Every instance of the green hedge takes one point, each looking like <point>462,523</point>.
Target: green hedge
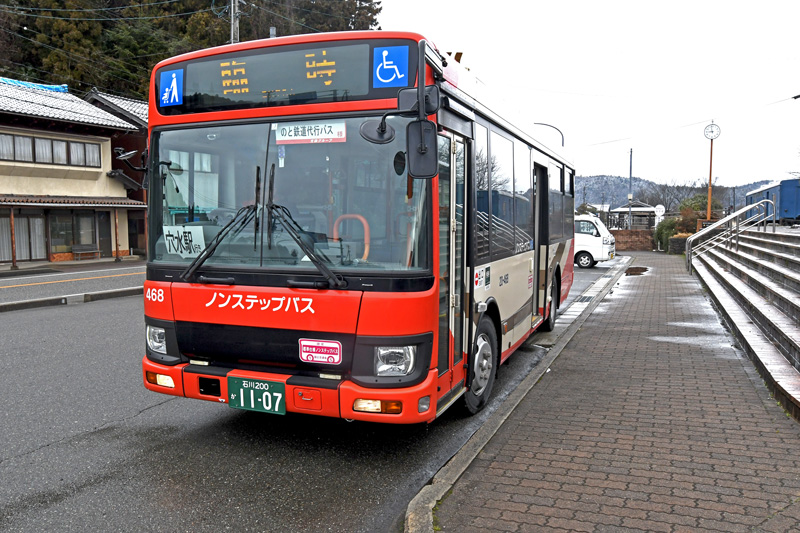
<point>664,231</point>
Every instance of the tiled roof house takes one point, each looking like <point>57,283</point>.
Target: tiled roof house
<point>57,188</point>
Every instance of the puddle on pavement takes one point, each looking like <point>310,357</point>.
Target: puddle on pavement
<point>636,271</point>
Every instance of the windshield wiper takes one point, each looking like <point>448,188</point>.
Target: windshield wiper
<point>240,220</point>
<point>270,192</point>
<point>258,193</point>
<point>295,232</point>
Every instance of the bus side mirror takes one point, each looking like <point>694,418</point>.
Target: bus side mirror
<point>422,150</point>
<point>408,100</point>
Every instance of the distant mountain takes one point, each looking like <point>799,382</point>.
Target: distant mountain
<point>613,190</point>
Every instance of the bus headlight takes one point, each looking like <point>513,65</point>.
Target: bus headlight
<point>156,339</point>
<point>394,360</point>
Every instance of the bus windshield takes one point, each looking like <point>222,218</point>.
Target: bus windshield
<point>349,201</point>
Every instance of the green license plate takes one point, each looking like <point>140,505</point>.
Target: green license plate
<point>257,395</point>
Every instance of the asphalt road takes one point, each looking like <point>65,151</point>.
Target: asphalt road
<point>85,447</point>
<point>69,280</point>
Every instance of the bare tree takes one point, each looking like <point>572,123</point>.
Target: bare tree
<point>670,195</point>
<point>482,170</point>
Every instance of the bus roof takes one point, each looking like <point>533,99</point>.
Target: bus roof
<point>289,39</point>
<point>458,82</point>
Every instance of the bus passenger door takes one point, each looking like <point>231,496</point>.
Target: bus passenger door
<point>541,220</point>
<point>452,244</point>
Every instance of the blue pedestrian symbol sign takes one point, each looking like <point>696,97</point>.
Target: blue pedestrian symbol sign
<point>171,87</point>
<point>390,65</point>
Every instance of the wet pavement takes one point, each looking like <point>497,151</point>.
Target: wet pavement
<point>650,419</point>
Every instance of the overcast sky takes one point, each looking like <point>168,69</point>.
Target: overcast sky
<point>643,75</point>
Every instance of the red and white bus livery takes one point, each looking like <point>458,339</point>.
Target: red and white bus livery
<point>329,235</point>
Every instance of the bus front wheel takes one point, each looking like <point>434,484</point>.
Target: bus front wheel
<point>482,368</point>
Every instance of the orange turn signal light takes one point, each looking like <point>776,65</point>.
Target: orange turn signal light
<point>159,379</point>
<point>392,407</point>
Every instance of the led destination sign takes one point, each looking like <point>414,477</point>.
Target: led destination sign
<point>278,76</point>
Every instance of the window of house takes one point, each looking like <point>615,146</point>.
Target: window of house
<point>44,150</point>
<point>49,151</point>
<point>77,154</point>
<point>6,147</point>
<point>23,148</point>
<point>83,227</point>
<point>92,155</point>
<point>60,232</point>
<point>60,153</point>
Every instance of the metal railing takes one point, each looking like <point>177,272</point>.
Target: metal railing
<point>727,230</point>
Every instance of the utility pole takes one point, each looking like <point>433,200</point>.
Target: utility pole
<point>584,193</point>
<point>234,21</point>
<point>630,193</point>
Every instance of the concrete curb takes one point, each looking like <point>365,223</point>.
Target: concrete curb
<point>419,514</point>
<point>114,293</point>
<point>71,299</point>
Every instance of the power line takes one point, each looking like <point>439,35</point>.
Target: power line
<point>86,61</point>
<point>48,81</point>
<point>119,61</point>
<point>317,11</point>
<point>116,19</point>
<point>286,18</point>
<point>120,8</point>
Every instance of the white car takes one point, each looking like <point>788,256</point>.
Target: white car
<point>593,241</point>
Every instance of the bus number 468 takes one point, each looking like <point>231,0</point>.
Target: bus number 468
<point>154,295</point>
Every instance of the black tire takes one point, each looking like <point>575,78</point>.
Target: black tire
<point>550,323</point>
<point>585,260</point>
<point>482,367</point>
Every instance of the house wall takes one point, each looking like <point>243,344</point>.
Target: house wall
<point>41,179</point>
<point>23,178</point>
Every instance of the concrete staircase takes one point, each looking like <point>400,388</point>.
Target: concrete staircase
<point>756,286</point>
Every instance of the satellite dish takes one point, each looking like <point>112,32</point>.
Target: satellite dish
<point>660,210</point>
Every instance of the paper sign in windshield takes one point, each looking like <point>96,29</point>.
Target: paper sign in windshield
<point>317,351</point>
<point>311,133</point>
<point>185,241</point>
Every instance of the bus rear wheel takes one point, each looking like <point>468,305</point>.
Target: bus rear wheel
<point>482,368</point>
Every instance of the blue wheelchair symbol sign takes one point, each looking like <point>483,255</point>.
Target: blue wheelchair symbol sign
<point>390,65</point>
<point>171,87</point>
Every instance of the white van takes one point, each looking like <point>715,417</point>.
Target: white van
<point>593,241</point>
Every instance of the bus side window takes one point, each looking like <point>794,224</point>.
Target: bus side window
<point>523,196</point>
<point>501,170</point>
<point>482,192</point>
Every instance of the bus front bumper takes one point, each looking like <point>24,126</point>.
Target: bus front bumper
<point>332,398</point>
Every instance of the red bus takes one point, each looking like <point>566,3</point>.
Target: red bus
<point>328,236</point>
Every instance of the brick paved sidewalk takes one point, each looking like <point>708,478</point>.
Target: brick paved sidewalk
<point>649,420</point>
